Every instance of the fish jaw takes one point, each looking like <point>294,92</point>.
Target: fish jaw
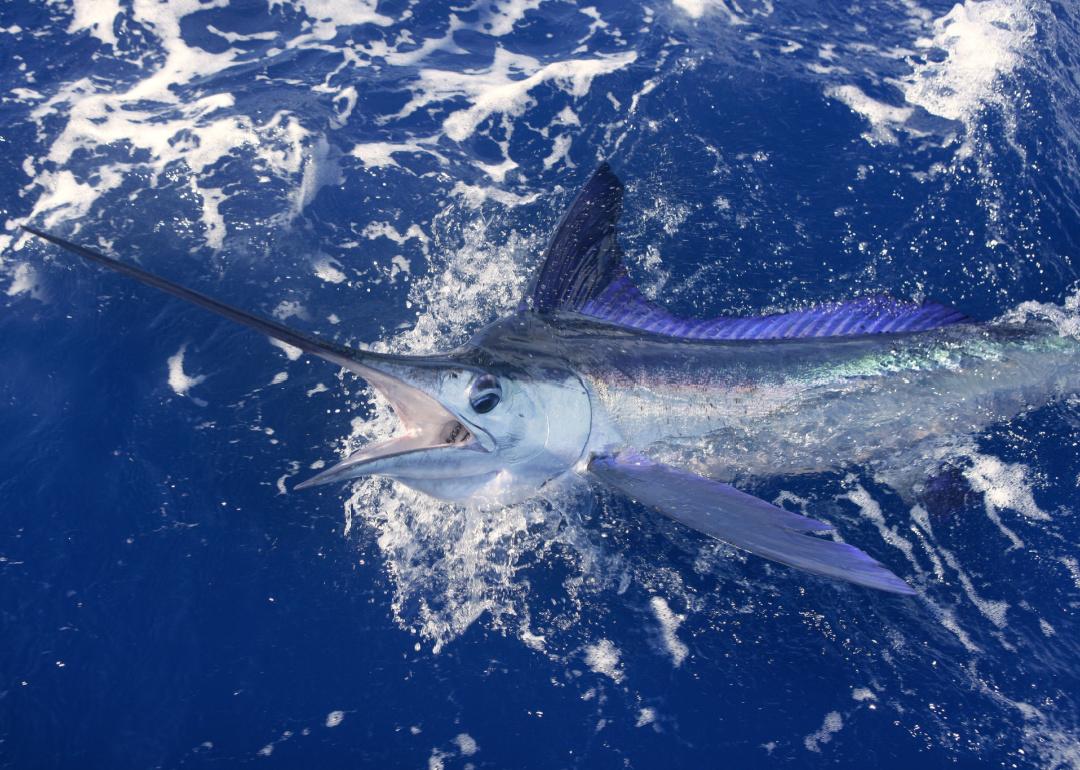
<point>433,440</point>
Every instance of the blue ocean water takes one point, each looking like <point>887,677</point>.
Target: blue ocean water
<point>387,173</point>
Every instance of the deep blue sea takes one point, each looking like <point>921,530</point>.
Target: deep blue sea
<point>387,173</point>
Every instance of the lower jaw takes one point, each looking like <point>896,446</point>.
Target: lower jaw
<point>480,489</point>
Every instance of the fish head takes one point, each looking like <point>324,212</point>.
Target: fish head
<point>471,427</point>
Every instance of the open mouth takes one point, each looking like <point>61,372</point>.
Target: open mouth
<point>434,435</point>
<point>425,425</point>
<point>458,434</point>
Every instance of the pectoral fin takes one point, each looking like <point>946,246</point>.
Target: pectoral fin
<point>744,521</point>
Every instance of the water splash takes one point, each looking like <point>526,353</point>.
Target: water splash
<point>451,564</point>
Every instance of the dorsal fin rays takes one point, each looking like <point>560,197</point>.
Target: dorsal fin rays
<point>622,304</point>
<point>582,257</point>
<point>583,272</point>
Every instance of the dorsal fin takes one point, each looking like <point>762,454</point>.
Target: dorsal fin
<point>621,304</point>
<point>583,272</point>
<point>583,255</point>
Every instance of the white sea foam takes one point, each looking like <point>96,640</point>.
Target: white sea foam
<point>736,13</point>
<point>180,381</point>
<point>289,308</point>
<point>329,270</point>
<point>154,129</point>
<point>559,149</point>
<point>947,618</point>
<point>503,88</point>
<point>449,565</point>
<point>380,154</point>
<point>24,280</point>
<point>26,95</point>
<point>669,627</point>
<point>373,230</point>
<point>437,760</point>
<point>884,119</point>
<point>1065,317</point>
<point>695,9</point>
<point>161,130</point>
<point>466,744</point>
<point>291,352</point>
<point>64,197</point>
<point>476,195</point>
<point>966,58</point>
<point>871,509</point>
<point>983,41</point>
<point>1073,566</point>
<point>213,221</point>
<point>1004,486</point>
<point>833,724</point>
<point>328,15</point>
<point>604,658</point>
<point>646,716</point>
<point>1044,736</point>
<point>399,265</point>
<point>294,466</point>
<point>495,91</point>
<point>97,16</point>
<point>234,37</point>
<point>994,611</point>
<point>925,533</point>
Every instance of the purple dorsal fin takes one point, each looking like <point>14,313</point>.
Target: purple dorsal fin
<point>583,272</point>
<point>622,304</point>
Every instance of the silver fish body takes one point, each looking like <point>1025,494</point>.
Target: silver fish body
<point>738,409</point>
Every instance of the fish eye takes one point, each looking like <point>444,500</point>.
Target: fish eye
<point>486,394</point>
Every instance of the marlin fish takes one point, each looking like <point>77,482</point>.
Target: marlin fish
<point>589,377</point>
